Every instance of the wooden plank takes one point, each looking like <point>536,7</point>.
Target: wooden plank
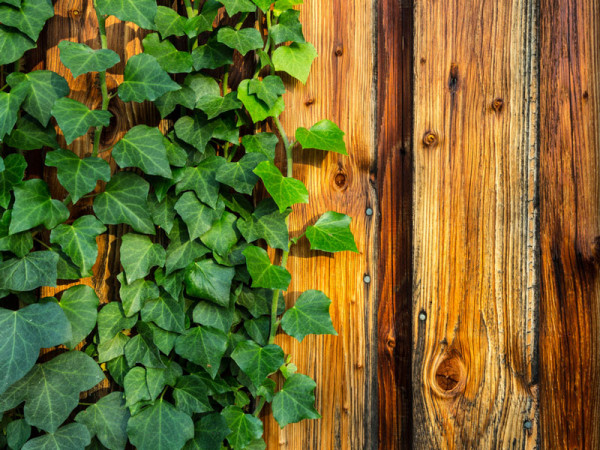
<point>340,88</point>
<point>570,223</point>
<point>475,225</point>
<point>394,189</point>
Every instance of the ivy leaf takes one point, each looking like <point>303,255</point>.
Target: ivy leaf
<point>17,433</point>
<point>209,314</point>
<point>258,362</point>
<point>242,40</point>
<point>324,135</point>
<point>235,6</point>
<point>13,45</point>
<point>134,295</point>
<point>19,244</point>
<point>191,395</point>
<point>223,235</point>
<point>244,427</point>
<point>34,270</point>
<point>118,368</point>
<point>264,143</point>
<point>78,241</point>
<point>9,107</point>
<point>266,223</point>
<point>269,90</point>
<point>203,21</point>
<point>176,427</point>
<point>171,283</point>
<point>107,419</point>
<point>112,348</point>
<point>331,233</point>
<point>80,304</point>
<point>285,191</point>
<point>13,173</point>
<point>23,333</point>
<point>73,436</point>
<point>258,301</point>
<point>212,55</point>
<point>198,217</point>
<point>140,12</point>
<point>295,60</point>
<point>78,176</point>
<point>34,206</point>
<point>164,340</point>
<point>124,201</point>
<point>80,58</point>
<point>75,119</point>
<point>176,154</point>
<point>141,349</point>
<point>29,18</point>
<point>167,103</point>
<point>169,58</point>
<point>51,390</point>
<point>214,105</point>
<point>209,280</point>
<point>136,386</point>
<point>264,5</point>
<point>139,255</point>
<point>41,89</point>
<point>169,23</point>
<point>283,5</point>
<point>166,312</point>
<point>30,135</point>
<point>196,131</point>
<point>144,79</point>
<point>112,319</point>
<point>143,147</point>
<point>309,315</point>
<point>182,249</point>
<point>263,273</point>
<point>157,379</point>
<point>295,401</point>
<point>204,346</point>
<point>239,175</point>
<point>288,28</point>
<point>202,179</point>
<point>258,110</point>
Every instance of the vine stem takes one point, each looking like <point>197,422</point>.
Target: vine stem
<point>189,9</point>
<point>102,77</point>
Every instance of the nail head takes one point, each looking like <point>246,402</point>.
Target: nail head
<point>422,316</point>
<point>369,212</point>
<point>367,279</point>
<point>528,425</point>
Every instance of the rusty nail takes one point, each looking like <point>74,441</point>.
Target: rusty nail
<point>429,139</point>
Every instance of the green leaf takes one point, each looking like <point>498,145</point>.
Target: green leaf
<point>167,103</point>
<point>30,135</point>
<point>210,431</point>
<point>13,173</point>
<point>285,191</point>
<point>112,319</point>
<point>80,304</point>
<point>13,45</point>
<point>202,179</point>
<point>176,154</point>
<point>204,346</point>
<point>258,301</point>
<point>209,314</point>
<point>136,386</point>
<point>51,390</point>
<point>118,368</point>
<point>112,348</point>
<point>78,241</point>
<point>23,333</point>
<point>239,175</point>
<point>143,147</point>
<point>157,379</point>
<point>324,135</point>
<point>176,427</point>
<point>203,21</point>
<point>266,223</point>
<point>288,28</point>
<point>244,427</point>
<point>257,109</point>
<point>164,340</point>
<point>139,255</point>
<point>258,362</point>
<point>212,55</point>
<point>75,119</point>
<point>9,107</point>
<point>166,312</point>
<point>264,5</point>
<point>141,349</point>
<point>310,315</point>
<point>182,250</point>
<point>196,130</point>
<point>295,401</point>
<point>17,433</point>
<point>295,60</point>
<point>107,419</point>
<point>263,273</point>
<point>214,105</point>
<point>34,206</point>
<point>235,6</point>
<point>124,201</point>
<point>80,58</point>
<point>34,270</point>
<point>78,176</point>
<point>169,58</point>
<point>198,217</point>
<point>30,18</point>
<point>140,12</point>
<point>73,436</point>
<point>331,233</point>
<point>282,6</point>
<point>144,79</point>
<point>169,23</point>
<point>134,295</point>
<point>207,279</point>
<point>41,89</point>
<point>191,395</point>
<point>19,244</point>
<point>269,90</point>
<point>223,235</point>
<point>242,40</point>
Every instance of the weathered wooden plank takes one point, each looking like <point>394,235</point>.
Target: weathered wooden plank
<point>394,232</point>
<point>570,223</point>
<point>340,88</point>
<point>475,225</point>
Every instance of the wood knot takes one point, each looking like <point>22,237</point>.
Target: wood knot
<point>423,61</point>
<point>585,95</point>
<point>453,78</point>
<point>339,50</point>
<point>341,179</point>
<point>391,342</point>
<point>498,104</point>
<point>430,139</point>
<point>449,374</point>
<point>75,13</point>
<point>309,101</point>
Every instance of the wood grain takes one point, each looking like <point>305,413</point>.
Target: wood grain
<point>394,231</point>
<point>339,88</point>
<point>570,223</point>
<point>475,224</point>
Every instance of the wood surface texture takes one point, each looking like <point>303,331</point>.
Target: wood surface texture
<point>570,224</point>
<point>475,224</point>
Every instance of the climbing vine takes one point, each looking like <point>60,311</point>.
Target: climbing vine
<point>190,341</point>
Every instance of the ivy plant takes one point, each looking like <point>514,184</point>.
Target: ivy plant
<point>189,343</point>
